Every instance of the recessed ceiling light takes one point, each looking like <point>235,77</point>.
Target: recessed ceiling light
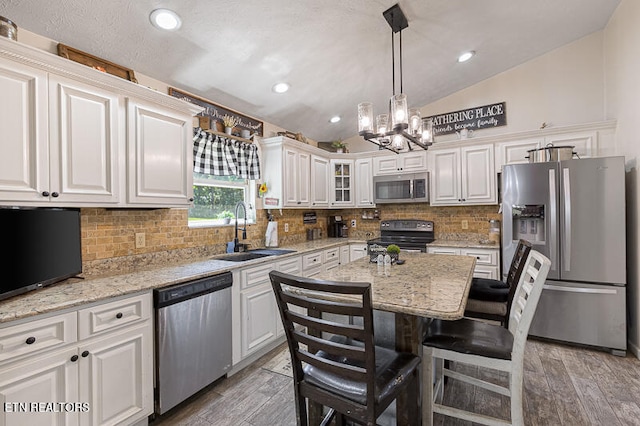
<point>466,56</point>
<point>165,19</point>
<point>335,119</point>
<point>280,87</point>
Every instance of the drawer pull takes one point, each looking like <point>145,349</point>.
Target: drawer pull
<point>74,358</point>
<point>85,354</point>
<point>119,315</point>
<point>31,340</point>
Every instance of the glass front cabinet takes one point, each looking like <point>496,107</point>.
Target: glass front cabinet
<point>342,185</point>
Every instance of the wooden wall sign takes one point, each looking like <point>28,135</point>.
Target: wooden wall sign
<point>95,62</point>
<point>216,112</point>
<point>482,117</point>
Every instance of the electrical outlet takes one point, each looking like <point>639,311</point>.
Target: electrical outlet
<point>353,223</point>
<point>140,240</point>
<point>286,227</point>
<point>465,224</point>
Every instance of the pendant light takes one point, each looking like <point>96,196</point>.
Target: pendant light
<point>401,125</point>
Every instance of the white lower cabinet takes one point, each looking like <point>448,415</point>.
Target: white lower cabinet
<point>357,251</point>
<point>344,255</point>
<point>259,318</point>
<point>487,260</point>
<point>257,326</point>
<point>115,377</point>
<point>105,379</point>
<point>258,309</point>
<point>50,378</point>
<point>312,264</point>
<point>293,266</point>
<point>331,258</point>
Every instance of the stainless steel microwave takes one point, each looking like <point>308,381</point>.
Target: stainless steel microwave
<point>402,188</point>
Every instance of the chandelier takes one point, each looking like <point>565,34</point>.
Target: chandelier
<point>400,125</point>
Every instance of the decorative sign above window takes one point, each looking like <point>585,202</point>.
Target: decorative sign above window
<point>217,112</point>
<point>493,115</point>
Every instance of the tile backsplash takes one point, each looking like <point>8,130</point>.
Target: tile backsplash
<point>108,236</point>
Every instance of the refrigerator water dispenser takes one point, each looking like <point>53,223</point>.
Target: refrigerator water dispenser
<point>528,223</point>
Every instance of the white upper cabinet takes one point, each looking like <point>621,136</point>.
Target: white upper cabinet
<point>515,152</point>
<point>364,182</point>
<point>342,179</point>
<point>160,171</point>
<point>84,143</point>
<point>400,163</point>
<point>319,193</point>
<point>297,178</point>
<point>68,139</point>
<point>585,143</point>
<point>62,140</point>
<point>464,175</point>
<point>286,169</point>
<point>24,147</point>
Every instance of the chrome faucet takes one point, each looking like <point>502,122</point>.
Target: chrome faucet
<point>236,245</point>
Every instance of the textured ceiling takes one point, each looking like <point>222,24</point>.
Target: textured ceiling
<point>334,53</point>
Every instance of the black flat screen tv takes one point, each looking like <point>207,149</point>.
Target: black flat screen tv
<point>41,247</point>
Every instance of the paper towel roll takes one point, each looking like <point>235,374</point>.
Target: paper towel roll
<point>271,236</point>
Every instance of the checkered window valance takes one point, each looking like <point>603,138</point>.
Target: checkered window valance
<point>220,156</point>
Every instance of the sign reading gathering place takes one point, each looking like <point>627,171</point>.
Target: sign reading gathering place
<point>482,117</point>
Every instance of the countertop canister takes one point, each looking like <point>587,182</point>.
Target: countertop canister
<point>494,231</point>
<point>8,28</point>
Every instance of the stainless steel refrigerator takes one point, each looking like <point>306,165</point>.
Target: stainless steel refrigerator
<point>573,212</point>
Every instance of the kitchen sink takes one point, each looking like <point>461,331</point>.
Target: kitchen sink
<point>252,254</point>
<point>271,252</point>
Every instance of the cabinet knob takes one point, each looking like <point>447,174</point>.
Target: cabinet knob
<point>74,358</point>
<point>459,200</point>
<point>45,193</point>
<point>119,315</point>
<point>85,354</point>
<point>299,202</point>
<point>31,340</point>
<point>55,194</point>
<point>191,200</point>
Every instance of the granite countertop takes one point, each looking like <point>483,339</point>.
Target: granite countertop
<point>465,244</point>
<point>76,292</point>
<point>426,285</point>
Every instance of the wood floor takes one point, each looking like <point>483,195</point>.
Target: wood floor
<point>563,386</point>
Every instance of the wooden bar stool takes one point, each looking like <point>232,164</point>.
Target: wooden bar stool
<point>491,299</point>
<point>336,364</point>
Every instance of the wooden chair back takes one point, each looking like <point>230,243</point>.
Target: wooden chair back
<point>515,271</point>
<point>302,303</point>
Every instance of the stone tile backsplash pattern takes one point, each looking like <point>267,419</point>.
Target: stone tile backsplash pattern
<point>108,236</point>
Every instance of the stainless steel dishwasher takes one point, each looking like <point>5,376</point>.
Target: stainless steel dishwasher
<point>193,338</point>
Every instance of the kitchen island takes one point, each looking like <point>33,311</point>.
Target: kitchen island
<point>425,286</point>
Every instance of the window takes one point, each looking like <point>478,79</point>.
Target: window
<point>215,198</point>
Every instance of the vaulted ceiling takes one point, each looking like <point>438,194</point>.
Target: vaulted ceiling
<point>333,53</point>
